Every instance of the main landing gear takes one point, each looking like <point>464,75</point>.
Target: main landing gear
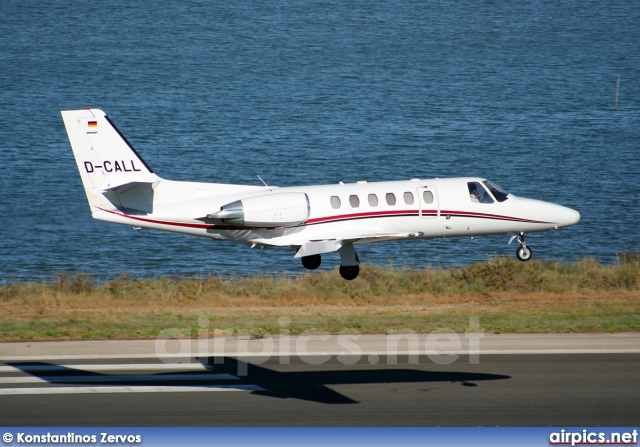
<point>349,268</point>
<point>349,272</point>
<point>311,262</point>
<point>523,253</point>
<point>349,262</point>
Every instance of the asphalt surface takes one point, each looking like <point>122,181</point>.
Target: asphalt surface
<point>47,386</point>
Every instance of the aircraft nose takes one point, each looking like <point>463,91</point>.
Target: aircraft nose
<point>567,216</point>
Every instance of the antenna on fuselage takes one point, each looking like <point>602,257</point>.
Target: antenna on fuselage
<point>263,182</point>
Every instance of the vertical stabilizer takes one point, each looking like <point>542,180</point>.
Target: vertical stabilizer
<point>107,162</point>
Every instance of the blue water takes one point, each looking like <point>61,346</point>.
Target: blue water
<point>308,92</point>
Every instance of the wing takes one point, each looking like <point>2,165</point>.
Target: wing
<point>316,247</point>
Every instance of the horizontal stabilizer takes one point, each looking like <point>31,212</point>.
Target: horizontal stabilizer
<point>126,186</point>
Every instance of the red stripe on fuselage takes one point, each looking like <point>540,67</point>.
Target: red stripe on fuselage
<point>369,215</point>
<point>489,216</point>
<point>184,224</point>
<point>336,218</point>
<point>415,213</point>
<point>160,222</point>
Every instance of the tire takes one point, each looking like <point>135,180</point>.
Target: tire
<point>349,272</point>
<point>524,254</point>
<point>311,262</point>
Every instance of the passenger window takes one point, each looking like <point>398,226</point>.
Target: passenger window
<point>335,202</point>
<point>478,194</point>
<point>391,199</point>
<point>354,201</point>
<point>373,200</point>
<point>427,196</point>
<point>408,198</point>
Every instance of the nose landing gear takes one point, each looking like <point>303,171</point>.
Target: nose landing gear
<point>523,253</point>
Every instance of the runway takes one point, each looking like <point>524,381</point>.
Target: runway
<point>574,383</point>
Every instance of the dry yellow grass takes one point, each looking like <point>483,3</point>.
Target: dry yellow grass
<point>504,294</point>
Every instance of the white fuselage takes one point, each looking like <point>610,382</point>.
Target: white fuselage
<point>182,206</point>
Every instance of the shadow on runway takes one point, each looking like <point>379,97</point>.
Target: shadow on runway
<point>312,385</point>
<point>309,385</point>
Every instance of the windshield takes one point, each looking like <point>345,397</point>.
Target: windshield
<point>478,194</point>
<point>500,194</point>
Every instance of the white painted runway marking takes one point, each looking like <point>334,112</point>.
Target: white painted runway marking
<point>113,374</point>
<point>118,378</point>
<point>126,389</point>
<point>113,367</point>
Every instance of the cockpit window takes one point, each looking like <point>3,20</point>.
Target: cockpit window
<point>500,194</point>
<point>478,194</point>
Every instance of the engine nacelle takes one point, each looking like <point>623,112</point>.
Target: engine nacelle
<point>268,210</point>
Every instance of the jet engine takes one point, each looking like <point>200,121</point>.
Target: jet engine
<point>268,210</point>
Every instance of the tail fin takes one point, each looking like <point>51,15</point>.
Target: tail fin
<point>113,173</point>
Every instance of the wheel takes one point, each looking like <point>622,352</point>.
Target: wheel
<point>523,253</point>
<point>311,262</point>
<point>349,272</point>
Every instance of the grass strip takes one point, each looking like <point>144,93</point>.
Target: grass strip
<point>506,296</point>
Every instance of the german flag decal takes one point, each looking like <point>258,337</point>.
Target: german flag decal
<point>93,124</point>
